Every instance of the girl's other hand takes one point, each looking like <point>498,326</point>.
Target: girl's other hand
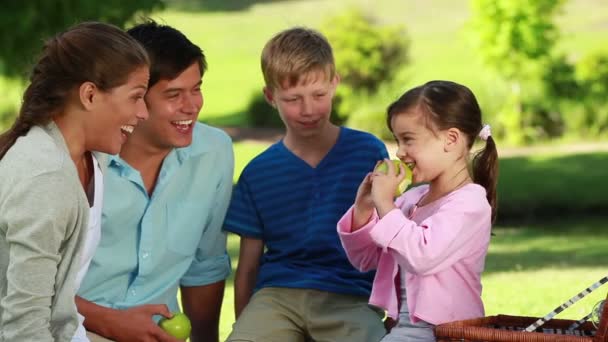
<point>384,186</point>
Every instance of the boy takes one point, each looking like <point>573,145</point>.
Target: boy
<point>166,196</point>
<point>289,199</point>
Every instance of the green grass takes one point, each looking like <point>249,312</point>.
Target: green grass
<point>550,185</point>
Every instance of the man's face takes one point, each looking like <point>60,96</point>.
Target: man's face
<point>173,106</point>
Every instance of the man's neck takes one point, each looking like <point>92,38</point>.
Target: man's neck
<point>145,158</point>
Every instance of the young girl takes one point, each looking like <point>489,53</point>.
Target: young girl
<point>430,244</point>
<point>85,94</point>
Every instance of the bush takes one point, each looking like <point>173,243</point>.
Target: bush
<point>367,55</point>
<point>261,114</point>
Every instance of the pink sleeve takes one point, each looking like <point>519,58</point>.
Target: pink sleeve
<point>460,225</point>
<point>360,249</point>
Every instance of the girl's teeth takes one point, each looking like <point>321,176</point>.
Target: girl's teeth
<point>127,129</point>
<point>411,165</point>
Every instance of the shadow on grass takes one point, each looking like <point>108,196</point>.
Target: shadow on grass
<point>558,245</point>
<point>536,188</point>
<point>215,5</point>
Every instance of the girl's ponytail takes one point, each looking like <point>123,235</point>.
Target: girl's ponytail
<point>485,171</point>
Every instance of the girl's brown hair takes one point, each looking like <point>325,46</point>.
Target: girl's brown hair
<point>451,105</point>
<point>96,52</point>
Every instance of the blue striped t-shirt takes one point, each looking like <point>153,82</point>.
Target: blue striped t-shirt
<point>294,209</point>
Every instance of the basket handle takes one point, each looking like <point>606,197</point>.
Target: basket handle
<point>601,334</point>
<point>567,304</point>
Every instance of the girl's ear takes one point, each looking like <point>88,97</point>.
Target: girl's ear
<point>453,137</point>
<point>86,93</point>
<point>269,96</point>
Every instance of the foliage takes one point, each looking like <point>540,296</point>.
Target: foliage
<point>25,24</point>
<point>366,53</point>
<point>513,33</point>
<point>514,37</point>
<point>260,113</point>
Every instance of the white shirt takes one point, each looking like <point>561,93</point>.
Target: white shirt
<point>93,236</point>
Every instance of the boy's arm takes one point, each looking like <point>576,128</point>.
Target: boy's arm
<point>202,304</point>
<point>134,324</point>
<point>251,250</point>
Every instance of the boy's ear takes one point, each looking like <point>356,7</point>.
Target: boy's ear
<point>86,94</point>
<point>269,96</point>
<point>452,138</point>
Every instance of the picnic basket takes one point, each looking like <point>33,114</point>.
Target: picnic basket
<point>504,328</point>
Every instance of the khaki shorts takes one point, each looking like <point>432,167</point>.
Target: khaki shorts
<point>301,315</point>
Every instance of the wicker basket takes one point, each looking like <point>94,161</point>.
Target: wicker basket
<point>503,328</point>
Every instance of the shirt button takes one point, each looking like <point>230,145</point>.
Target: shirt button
<point>133,292</point>
<point>145,255</point>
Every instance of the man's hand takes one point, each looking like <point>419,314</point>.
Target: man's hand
<point>130,325</point>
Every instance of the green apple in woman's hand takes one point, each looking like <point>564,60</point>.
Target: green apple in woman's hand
<point>177,326</point>
<point>383,168</point>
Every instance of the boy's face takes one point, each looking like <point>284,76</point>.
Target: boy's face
<point>173,106</point>
<point>304,108</point>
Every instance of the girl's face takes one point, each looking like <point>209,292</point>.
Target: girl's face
<point>422,149</point>
<point>117,112</point>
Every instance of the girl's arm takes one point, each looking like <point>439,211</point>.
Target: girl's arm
<point>38,214</point>
<point>460,225</point>
<point>360,249</point>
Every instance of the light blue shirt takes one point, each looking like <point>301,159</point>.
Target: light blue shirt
<point>152,244</point>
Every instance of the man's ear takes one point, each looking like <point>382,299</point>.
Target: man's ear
<point>269,96</point>
<point>452,137</point>
<point>87,93</point>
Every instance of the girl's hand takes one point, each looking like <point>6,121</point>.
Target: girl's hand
<point>384,187</point>
<point>364,206</point>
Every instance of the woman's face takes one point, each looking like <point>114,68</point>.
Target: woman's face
<point>117,112</point>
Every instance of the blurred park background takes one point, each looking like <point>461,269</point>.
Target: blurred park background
<point>538,67</point>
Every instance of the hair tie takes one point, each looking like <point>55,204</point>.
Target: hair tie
<point>485,132</point>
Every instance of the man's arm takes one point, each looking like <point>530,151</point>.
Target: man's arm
<point>133,324</point>
<point>203,304</point>
<point>246,272</point>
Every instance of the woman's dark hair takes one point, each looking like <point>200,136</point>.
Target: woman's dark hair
<point>90,51</point>
<point>447,105</point>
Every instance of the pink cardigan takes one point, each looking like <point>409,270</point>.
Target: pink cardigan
<point>442,249</point>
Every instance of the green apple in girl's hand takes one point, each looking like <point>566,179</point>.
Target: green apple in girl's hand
<point>177,326</point>
<point>383,167</point>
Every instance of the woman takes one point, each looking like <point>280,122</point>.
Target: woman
<point>85,94</point>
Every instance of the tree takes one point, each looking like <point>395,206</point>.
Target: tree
<point>25,24</point>
<point>514,37</point>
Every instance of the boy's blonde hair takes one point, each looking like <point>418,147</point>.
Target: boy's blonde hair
<point>293,53</point>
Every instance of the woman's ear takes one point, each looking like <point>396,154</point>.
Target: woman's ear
<point>86,94</point>
<point>453,138</point>
<point>269,96</point>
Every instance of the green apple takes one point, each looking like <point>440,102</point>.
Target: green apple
<point>383,167</point>
<point>177,326</point>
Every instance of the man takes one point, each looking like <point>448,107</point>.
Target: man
<point>166,196</point>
